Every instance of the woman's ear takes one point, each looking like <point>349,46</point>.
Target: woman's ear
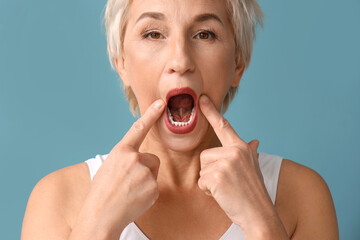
<point>239,70</point>
<point>120,67</point>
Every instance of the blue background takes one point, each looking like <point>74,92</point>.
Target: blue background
<point>60,102</point>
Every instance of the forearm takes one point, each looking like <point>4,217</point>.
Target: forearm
<point>267,231</point>
<point>267,226</point>
<point>84,230</point>
<point>92,225</point>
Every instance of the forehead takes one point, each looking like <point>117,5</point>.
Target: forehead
<point>179,10</point>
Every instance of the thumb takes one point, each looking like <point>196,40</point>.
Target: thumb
<point>254,144</point>
<point>152,162</point>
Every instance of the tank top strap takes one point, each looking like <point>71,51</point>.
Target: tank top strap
<point>95,163</point>
<point>270,168</point>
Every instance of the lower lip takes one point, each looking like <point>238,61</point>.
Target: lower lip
<point>181,129</point>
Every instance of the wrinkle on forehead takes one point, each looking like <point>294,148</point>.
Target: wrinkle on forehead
<point>179,10</point>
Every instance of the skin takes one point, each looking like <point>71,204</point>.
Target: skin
<point>182,59</point>
<point>201,181</point>
<point>178,58</point>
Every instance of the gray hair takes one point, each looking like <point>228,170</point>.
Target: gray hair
<point>244,16</point>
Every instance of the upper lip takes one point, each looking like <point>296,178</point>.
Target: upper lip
<point>178,91</point>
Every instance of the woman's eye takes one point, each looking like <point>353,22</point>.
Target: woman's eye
<point>207,35</point>
<point>153,35</point>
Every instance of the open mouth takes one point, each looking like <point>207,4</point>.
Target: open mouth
<point>181,111</point>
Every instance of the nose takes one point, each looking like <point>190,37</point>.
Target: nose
<point>180,56</point>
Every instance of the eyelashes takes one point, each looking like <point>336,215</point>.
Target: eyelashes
<point>151,33</point>
<point>155,35</point>
<point>210,34</point>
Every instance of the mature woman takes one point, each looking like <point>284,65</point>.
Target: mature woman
<point>181,171</point>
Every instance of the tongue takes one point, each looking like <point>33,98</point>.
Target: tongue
<point>180,107</point>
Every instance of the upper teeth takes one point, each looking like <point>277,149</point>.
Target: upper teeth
<point>180,123</point>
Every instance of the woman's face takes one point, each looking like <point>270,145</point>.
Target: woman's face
<point>179,44</point>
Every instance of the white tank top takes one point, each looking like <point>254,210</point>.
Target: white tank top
<point>269,166</point>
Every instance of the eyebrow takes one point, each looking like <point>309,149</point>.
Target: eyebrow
<point>208,16</point>
<point>155,15</point>
<point>199,18</point>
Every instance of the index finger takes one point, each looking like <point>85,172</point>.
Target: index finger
<point>221,126</point>
<point>135,136</point>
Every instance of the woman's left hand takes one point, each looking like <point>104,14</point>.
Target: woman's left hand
<point>231,174</point>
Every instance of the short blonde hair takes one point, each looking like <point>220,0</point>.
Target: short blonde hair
<point>244,16</point>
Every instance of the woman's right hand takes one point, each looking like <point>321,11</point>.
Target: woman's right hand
<point>125,185</point>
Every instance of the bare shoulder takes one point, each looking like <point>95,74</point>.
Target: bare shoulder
<point>54,201</point>
<point>302,191</point>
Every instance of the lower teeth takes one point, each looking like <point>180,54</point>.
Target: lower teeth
<point>181,124</point>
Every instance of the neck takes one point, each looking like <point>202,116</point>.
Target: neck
<point>178,170</point>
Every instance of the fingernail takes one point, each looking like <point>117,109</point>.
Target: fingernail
<point>158,104</point>
<point>204,99</point>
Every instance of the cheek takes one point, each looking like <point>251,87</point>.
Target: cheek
<point>143,74</point>
<point>144,57</point>
<point>219,76</point>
